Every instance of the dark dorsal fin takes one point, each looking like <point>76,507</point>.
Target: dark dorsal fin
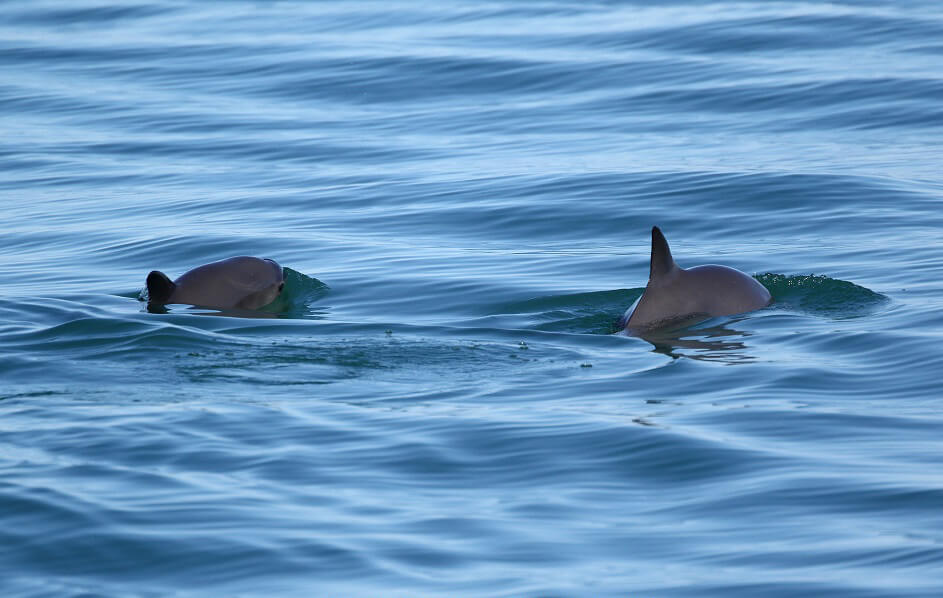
<point>662,263</point>
<point>159,287</point>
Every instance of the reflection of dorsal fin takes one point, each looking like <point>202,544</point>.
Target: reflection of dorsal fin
<point>159,287</point>
<point>662,262</point>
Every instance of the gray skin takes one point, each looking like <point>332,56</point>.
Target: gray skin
<point>236,283</point>
<point>678,296</point>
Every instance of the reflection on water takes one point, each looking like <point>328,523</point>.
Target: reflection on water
<point>717,343</point>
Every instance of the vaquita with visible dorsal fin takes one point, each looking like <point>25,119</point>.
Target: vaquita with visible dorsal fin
<point>242,282</point>
<point>676,296</point>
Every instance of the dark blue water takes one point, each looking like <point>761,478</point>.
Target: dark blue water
<point>462,196</point>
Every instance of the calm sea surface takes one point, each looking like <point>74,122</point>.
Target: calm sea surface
<point>461,194</point>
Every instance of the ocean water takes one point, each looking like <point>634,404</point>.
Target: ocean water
<point>462,195</point>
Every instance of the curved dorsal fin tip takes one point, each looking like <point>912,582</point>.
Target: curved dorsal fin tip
<point>661,261</point>
<point>159,287</point>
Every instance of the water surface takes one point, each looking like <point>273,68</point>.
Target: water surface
<point>462,197</point>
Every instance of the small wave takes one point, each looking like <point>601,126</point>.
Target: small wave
<point>821,295</point>
<point>299,293</point>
